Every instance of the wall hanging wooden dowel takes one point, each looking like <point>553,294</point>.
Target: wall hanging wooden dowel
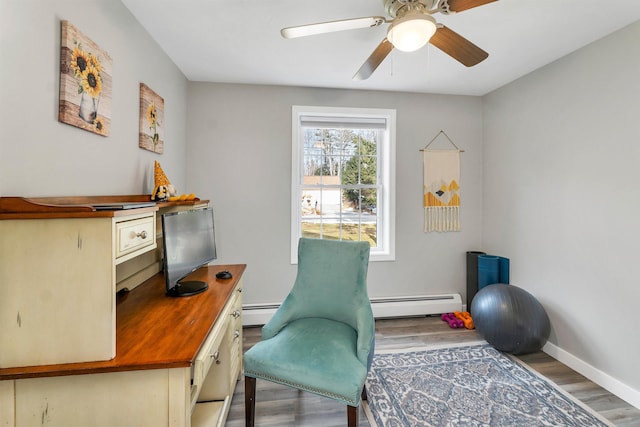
<point>441,196</point>
<point>436,137</point>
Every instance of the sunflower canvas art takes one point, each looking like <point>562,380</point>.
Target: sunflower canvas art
<point>85,82</point>
<point>151,134</point>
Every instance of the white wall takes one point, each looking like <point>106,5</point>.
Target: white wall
<point>239,156</point>
<point>561,199</point>
<point>40,156</point>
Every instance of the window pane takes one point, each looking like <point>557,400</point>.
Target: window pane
<point>370,231</point>
<point>331,168</point>
<point>351,171</point>
<point>351,231</point>
<point>332,231</point>
<point>361,168</point>
<point>309,202</point>
<point>311,167</point>
<point>349,149</point>
<point>312,229</point>
<point>351,200</point>
<point>368,143</point>
<point>369,201</point>
<point>325,201</point>
<point>368,170</point>
<point>369,215</point>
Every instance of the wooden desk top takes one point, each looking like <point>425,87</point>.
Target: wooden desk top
<point>154,331</point>
<point>79,206</point>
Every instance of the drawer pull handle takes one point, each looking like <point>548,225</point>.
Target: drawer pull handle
<point>236,334</point>
<point>142,234</point>
<point>235,314</point>
<point>215,356</point>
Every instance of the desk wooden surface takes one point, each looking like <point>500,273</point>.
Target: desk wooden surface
<point>80,206</point>
<point>154,331</point>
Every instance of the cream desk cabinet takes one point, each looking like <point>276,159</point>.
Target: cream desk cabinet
<point>58,278</point>
<point>177,364</point>
<point>89,337</point>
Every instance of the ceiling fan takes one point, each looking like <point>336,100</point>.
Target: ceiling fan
<point>412,26</point>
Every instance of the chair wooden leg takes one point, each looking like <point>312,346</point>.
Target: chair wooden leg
<point>352,416</point>
<point>364,393</point>
<point>249,401</point>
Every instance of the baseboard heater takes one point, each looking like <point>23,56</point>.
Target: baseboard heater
<point>420,305</point>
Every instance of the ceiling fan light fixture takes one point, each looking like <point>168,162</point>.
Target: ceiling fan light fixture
<point>411,31</point>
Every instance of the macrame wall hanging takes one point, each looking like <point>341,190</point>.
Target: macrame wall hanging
<point>441,187</point>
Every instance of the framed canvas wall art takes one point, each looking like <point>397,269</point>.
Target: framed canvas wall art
<point>151,134</point>
<point>85,82</point>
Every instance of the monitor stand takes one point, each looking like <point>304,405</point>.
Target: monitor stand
<point>185,289</point>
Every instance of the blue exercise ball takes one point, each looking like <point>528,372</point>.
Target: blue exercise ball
<point>510,319</point>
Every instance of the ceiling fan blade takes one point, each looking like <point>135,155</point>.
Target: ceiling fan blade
<point>457,47</point>
<point>374,60</point>
<point>460,5</point>
<point>331,26</point>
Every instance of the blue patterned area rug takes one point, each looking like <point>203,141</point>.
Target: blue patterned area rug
<point>469,385</point>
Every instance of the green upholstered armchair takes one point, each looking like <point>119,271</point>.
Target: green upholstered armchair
<point>321,339</point>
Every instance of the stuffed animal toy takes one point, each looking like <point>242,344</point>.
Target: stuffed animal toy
<point>162,189</point>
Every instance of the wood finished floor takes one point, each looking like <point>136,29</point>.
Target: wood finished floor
<point>280,406</point>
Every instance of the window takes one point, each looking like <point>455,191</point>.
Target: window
<point>343,177</point>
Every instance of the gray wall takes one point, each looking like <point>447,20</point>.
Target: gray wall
<point>239,156</point>
<point>561,198</point>
<point>40,156</point>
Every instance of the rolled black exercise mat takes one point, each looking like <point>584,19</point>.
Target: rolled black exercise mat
<point>472,275</point>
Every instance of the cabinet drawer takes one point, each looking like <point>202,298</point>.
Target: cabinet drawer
<point>236,357</point>
<point>134,234</point>
<point>235,332</point>
<point>210,354</point>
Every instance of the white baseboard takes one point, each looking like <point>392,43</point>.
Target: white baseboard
<point>604,380</point>
<point>257,314</point>
<point>418,305</point>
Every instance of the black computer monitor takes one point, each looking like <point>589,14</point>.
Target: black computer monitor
<point>189,243</point>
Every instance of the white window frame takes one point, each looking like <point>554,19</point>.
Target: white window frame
<point>385,250</point>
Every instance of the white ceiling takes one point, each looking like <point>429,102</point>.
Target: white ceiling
<point>238,41</point>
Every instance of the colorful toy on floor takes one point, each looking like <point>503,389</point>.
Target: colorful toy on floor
<point>452,320</point>
<point>466,318</point>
